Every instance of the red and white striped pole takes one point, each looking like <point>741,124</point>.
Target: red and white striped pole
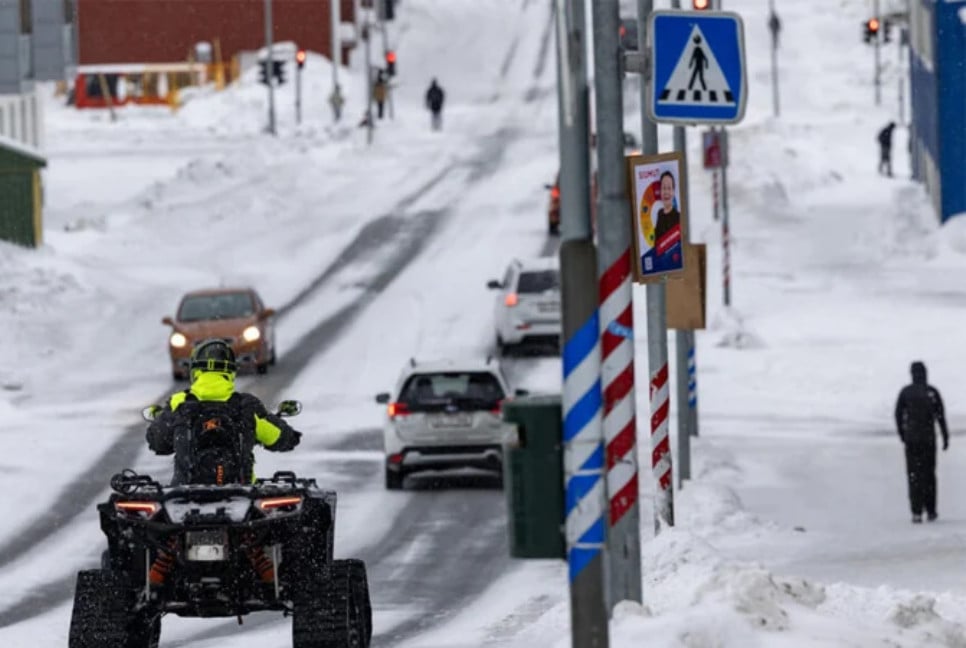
<point>620,427</point>
<point>661,447</point>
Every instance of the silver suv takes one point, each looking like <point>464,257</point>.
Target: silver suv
<point>444,414</point>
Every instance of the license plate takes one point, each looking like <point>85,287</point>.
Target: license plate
<point>451,421</point>
<point>206,546</point>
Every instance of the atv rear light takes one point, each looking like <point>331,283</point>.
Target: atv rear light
<point>511,300</point>
<point>398,409</point>
<point>276,503</point>
<point>147,509</point>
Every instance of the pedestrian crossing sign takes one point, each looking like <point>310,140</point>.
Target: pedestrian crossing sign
<point>697,67</point>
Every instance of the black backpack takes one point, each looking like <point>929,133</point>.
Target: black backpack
<point>209,443</point>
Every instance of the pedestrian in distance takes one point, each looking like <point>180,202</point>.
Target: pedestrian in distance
<point>434,101</point>
<point>885,149</point>
<point>380,91</point>
<point>918,410</point>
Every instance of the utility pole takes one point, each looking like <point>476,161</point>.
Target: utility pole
<point>586,526</point>
<point>335,18</point>
<point>271,59</point>
<point>775,26</point>
<point>367,36</point>
<point>657,360</point>
<point>878,64</point>
<point>616,313</point>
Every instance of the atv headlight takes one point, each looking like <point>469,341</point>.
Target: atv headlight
<point>251,334</point>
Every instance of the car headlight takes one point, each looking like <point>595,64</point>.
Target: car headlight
<point>251,334</point>
<point>178,341</point>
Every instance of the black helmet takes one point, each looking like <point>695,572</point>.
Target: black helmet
<point>214,355</point>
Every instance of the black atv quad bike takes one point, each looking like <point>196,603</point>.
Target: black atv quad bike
<point>220,551</point>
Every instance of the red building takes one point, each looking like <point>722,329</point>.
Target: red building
<point>164,31</point>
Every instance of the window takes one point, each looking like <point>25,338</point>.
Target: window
<point>215,307</point>
<point>68,11</point>
<point>25,17</point>
<point>538,282</point>
<point>463,390</point>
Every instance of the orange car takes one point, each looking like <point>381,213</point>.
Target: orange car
<point>236,315</point>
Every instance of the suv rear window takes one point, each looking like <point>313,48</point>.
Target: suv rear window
<point>478,390</point>
<point>538,282</point>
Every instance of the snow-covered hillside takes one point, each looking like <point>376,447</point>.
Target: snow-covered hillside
<point>794,531</point>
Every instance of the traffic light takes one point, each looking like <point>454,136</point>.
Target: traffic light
<point>886,32</point>
<point>871,29</point>
<point>701,5</point>
<point>263,71</point>
<point>278,71</point>
<point>391,63</point>
<point>300,58</point>
<point>628,34</point>
<point>388,9</point>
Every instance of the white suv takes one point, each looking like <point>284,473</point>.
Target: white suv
<point>528,307</point>
<point>444,414</point>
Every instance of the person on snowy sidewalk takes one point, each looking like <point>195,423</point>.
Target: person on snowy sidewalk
<point>434,101</point>
<point>918,410</point>
<point>885,149</point>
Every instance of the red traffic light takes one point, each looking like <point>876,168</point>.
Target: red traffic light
<point>300,57</point>
<point>390,56</point>
<point>873,25</point>
<point>701,5</point>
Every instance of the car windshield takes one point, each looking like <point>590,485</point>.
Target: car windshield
<point>214,307</point>
<point>538,282</point>
<point>470,390</point>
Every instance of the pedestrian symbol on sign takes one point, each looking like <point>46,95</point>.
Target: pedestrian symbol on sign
<point>697,66</point>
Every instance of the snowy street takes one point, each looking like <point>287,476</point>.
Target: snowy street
<point>794,529</point>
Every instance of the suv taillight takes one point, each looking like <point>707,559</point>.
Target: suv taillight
<point>398,409</point>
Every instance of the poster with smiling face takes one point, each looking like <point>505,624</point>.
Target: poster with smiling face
<point>657,183</point>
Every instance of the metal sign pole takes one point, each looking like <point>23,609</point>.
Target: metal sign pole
<point>681,346</point>
<point>335,20</point>
<point>586,503</point>
<point>616,313</point>
<point>775,26</point>
<point>725,231</point>
<point>368,76</point>
<point>878,63</point>
<point>271,59</point>
<point>656,326</point>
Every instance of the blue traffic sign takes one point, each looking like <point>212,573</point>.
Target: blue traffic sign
<point>697,67</point>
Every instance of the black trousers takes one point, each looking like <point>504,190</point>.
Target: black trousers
<point>921,470</point>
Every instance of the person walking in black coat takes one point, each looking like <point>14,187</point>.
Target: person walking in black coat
<point>885,149</point>
<point>918,410</point>
<point>434,101</point>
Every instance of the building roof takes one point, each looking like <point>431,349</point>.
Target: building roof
<point>24,150</point>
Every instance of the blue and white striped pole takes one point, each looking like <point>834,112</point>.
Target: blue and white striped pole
<point>586,496</point>
<point>692,386</point>
<point>583,435</point>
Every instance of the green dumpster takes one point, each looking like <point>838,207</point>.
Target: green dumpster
<point>533,477</point>
<point>20,193</point>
